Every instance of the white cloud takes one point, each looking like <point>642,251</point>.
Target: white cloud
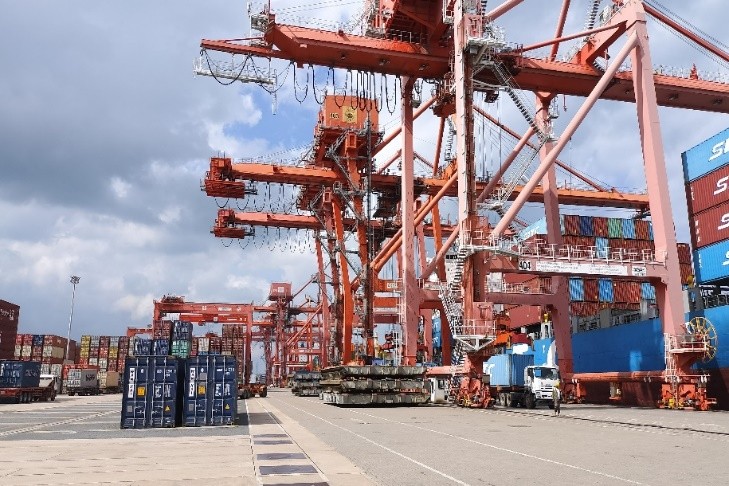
<point>120,187</point>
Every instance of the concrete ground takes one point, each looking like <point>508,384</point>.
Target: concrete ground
<point>597,445</point>
<point>77,440</point>
<point>283,439</point>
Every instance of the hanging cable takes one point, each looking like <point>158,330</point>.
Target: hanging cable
<point>305,89</point>
<point>313,84</point>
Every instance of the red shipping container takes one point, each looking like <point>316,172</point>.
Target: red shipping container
<point>708,191</point>
<point>600,226</point>
<point>19,339</point>
<point>710,226</point>
<point>592,293</point>
<point>641,229</point>
<point>684,253</point>
<point>687,273</point>
<point>571,224</point>
<point>27,339</point>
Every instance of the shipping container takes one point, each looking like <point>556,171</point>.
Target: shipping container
<point>577,289</point>
<point>586,226</point>
<point>615,228</point>
<point>647,291</point>
<point>19,374</point>
<point>605,289</point>
<point>508,369</point>
<point>571,225</point>
<point>152,392</point>
<point>641,230</point>
<point>161,347</point>
<point>712,262</point>
<point>710,226</point>
<point>708,191</point>
<point>628,229</point>
<point>211,391</point>
<point>182,330</point>
<point>592,293</point>
<point>602,247</point>
<point>181,349</point>
<point>142,347</point>
<point>600,226</point>
<point>706,157</point>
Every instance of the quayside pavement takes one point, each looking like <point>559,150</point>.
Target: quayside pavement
<point>77,441</point>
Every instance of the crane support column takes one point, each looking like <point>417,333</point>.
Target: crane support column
<point>410,292</point>
<point>347,297</point>
<point>668,293</point>
<point>559,309</point>
<point>325,332</point>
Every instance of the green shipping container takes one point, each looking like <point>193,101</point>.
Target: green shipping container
<point>181,349</point>
<point>615,228</point>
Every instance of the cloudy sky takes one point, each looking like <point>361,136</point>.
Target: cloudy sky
<point>105,134</point>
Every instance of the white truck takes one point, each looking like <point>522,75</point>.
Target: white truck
<point>514,380</point>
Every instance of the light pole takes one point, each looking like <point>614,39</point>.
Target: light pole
<point>74,280</point>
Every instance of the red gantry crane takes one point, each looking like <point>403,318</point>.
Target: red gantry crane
<point>458,48</point>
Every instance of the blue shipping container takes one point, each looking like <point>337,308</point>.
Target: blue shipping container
<point>142,347</point>
<point>712,262</point>
<point>706,157</point>
<point>161,347</point>
<point>19,374</point>
<point>182,331</point>
<point>37,339</point>
<point>628,229</point>
<point>508,369</point>
<point>577,290</point>
<point>602,247</point>
<point>586,226</point>
<point>211,391</point>
<point>605,289</point>
<point>647,291</point>
<point>152,392</point>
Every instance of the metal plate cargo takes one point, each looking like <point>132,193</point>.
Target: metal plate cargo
<point>706,157</point>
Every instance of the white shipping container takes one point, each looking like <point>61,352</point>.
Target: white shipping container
<point>108,379</point>
<point>203,345</point>
<point>82,378</point>
<point>26,350</point>
<point>18,351</point>
<point>94,361</point>
<point>53,352</point>
<point>56,369</point>
<point>103,363</point>
<point>45,369</point>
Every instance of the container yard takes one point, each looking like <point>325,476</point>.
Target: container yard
<point>474,256</point>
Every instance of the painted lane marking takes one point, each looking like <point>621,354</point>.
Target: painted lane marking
<point>53,424</point>
<point>504,449</point>
<point>391,451</point>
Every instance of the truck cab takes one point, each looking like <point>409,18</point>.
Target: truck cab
<point>539,382</point>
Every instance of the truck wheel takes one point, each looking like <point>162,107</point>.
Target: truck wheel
<point>530,401</point>
<point>509,402</point>
<point>263,393</point>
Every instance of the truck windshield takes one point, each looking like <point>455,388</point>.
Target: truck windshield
<point>546,373</point>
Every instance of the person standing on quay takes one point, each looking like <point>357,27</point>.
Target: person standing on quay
<point>556,398</point>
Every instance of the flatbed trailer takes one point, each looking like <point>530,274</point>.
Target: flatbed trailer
<point>29,394</point>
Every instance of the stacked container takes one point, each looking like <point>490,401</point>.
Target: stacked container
<point>181,339</point>
<point>152,392</point>
<point>211,390</point>
<point>9,329</point>
<point>706,172</point>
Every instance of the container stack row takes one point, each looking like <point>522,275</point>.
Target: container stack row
<point>167,391</point>
<point>46,349</point>
<point>706,173</point>
<point>105,353</point>
<point>174,338</point>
